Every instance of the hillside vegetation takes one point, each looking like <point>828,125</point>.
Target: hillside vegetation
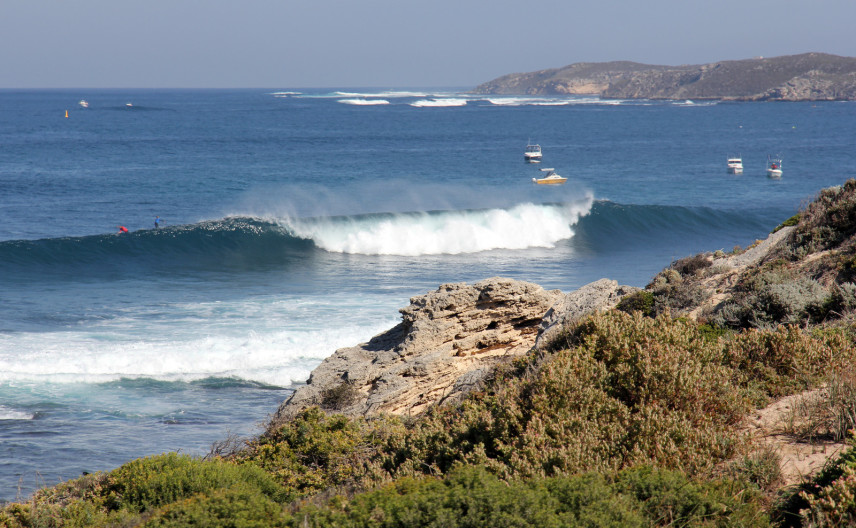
<point>805,77</point>
<point>632,417</point>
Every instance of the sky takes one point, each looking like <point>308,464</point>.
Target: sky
<point>388,43</point>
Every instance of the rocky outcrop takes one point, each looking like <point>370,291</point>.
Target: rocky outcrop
<point>596,296</point>
<point>806,77</point>
<point>448,341</point>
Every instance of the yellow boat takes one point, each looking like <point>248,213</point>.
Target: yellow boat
<point>550,179</point>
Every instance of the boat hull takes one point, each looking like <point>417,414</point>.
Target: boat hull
<point>774,173</point>
<point>550,181</point>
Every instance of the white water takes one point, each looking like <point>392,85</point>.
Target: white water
<point>451,232</point>
<point>276,343</point>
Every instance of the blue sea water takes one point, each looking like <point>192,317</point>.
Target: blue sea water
<point>298,223</point>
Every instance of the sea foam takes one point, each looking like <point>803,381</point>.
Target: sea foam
<point>129,349</point>
<point>522,226</point>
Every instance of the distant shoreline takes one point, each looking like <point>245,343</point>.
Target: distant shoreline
<point>805,77</point>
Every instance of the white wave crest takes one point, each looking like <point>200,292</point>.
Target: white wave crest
<point>439,102</point>
<point>11,414</point>
<point>364,102</point>
<point>454,232</point>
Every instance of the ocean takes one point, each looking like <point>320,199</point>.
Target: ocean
<point>298,222</point>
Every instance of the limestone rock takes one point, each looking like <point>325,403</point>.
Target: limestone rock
<point>447,342</point>
<point>600,295</point>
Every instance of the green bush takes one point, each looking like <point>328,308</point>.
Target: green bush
<point>233,507</point>
<point>641,301</point>
<point>151,482</point>
<point>315,451</point>
<point>138,489</point>
<point>473,497</point>
<point>632,390</point>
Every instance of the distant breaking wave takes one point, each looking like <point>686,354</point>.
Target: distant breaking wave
<point>364,102</point>
<point>445,102</point>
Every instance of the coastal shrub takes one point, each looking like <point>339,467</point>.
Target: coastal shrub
<point>775,363</point>
<point>792,221</point>
<point>473,497</point>
<point>826,222</point>
<point>148,483</point>
<point>136,490</point>
<point>692,265</point>
<point>772,296</point>
<point>641,301</point>
<point>222,508</point>
<point>631,390</point>
<point>315,450</point>
<point>675,293</point>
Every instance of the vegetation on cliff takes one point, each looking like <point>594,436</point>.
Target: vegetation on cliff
<point>809,76</point>
<point>629,418</point>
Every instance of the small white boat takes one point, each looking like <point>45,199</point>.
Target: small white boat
<point>735,165</point>
<point>532,154</point>
<point>774,166</point>
<point>550,179</point>
<point>83,103</point>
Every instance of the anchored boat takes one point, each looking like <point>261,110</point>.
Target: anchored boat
<point>735,165</point>
<point>550,179</point>
<point>774,166</point>
<point>532,154</point>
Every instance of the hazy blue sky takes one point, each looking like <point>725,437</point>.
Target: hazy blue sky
<point>388,43</point>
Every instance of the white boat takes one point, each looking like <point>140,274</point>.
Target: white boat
<point>735,165</point>
<point>550,179</point>
<point>532,154</point>
<point>83,103</point>
<point>774,166</point>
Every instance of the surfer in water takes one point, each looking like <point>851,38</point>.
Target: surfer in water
<point>122,229</point>
<point>157,221</point>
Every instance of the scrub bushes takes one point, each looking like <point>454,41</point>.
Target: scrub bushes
<point>772,296</point>
<point>632,390</point>
<point>472,497</point>
<point>136,491</point>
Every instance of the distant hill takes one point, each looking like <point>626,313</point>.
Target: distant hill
<point>806,77</point>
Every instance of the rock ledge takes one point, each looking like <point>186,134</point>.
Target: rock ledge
<point>446,344</point>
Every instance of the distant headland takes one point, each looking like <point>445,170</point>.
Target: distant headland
<point>805,77</point>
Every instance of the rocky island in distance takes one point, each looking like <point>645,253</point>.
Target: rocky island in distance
<point>804,77</point>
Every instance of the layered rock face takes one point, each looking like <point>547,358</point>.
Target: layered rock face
<point>446,344</point>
